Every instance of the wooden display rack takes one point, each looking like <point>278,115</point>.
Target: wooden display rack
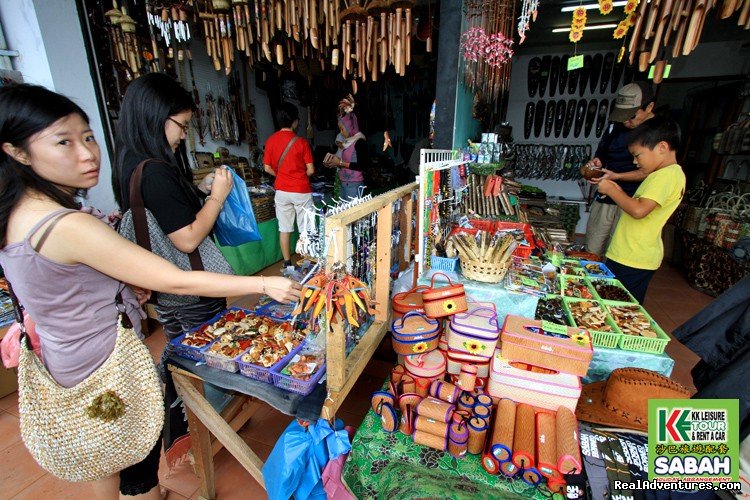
<point>430,160</point>
<point>342,370</point>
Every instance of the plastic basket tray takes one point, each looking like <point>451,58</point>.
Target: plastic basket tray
<point>292,384</point>
<point>275,310</point>
<point>599,339</point>
<point>197,353</point>
<point>606,273</point>
<point>222,362</point>
<point>187,351</point>
<point>628,342</point>
<point>610,281</point>
<point>564,279</point>
<point>444,263</point>
<point>258,372</point>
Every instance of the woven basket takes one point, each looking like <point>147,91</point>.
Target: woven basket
<point>264,208</point>
<point>486,272</point>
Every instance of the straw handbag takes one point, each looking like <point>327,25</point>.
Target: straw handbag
<point>109,421</point>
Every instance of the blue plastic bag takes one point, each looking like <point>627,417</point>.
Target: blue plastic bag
<point>236,224</point>
<point>294,469</point>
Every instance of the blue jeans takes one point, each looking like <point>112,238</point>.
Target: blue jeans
<point>350,189</point>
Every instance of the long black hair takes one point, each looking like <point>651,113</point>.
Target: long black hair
<point>149,101</point>
<point>26,110</point>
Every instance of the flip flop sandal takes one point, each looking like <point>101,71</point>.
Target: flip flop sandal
<point>573,80</point>
<point>535,65</point>
<point>596,69</point>
<point>388,418</point>
<point>538,118</point>
<point>528,120</point>
<point>559,117</point>
<point>544,75</point>
<point>601,117</point>
<point>609,62</point>
<point>580,115</point>
<point>583,78</point>
<point>554,74</point>
<point>590,117</point>
<point>617,72</point>
<point>629,75</point>
<point>730,170</point>
<point>562,82</point>
<point>570,114</point>
<point>549,118</point>
<point>379,398</point>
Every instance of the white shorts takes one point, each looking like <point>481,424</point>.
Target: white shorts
<point>289,205</point>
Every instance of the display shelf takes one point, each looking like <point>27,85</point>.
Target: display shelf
<point>342,370</point>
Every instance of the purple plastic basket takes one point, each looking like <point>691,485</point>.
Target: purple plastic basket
<point>198,353</point>
<point>292,384</point>
<point>187,351</point>
<point>257,372</point>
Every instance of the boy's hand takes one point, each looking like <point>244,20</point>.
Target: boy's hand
<point>606,186</point>
<point>608,175</point>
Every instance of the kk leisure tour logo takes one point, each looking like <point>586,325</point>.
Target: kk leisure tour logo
<point>693,440</point>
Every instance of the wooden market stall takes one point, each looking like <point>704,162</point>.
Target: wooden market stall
<point>210,430</point>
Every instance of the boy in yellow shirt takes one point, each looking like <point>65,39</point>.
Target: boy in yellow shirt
<point>636,249</point>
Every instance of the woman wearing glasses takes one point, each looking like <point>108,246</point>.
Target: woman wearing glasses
<point>154,120</point>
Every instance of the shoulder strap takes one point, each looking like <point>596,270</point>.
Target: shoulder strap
<point>55,218</point>
<point>139,216</point>
<point>286,150</point>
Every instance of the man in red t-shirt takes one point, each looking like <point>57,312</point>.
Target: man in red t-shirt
<point>288,157</point>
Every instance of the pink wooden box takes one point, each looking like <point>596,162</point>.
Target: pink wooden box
<point>567,350</point>
<point>524,383</point>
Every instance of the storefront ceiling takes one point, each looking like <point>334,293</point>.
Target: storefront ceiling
<point>551,17</point>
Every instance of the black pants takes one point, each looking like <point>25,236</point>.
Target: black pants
<point>142,477</point>
<point>176,321</point>
<point>635,280</point>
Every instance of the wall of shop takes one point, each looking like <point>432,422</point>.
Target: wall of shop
<point>52,54</point>
<point>518,100</point>
<point>726,58</point>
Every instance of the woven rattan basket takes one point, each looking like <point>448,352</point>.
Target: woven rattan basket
<point>264,208</point>
<point>488,272</point>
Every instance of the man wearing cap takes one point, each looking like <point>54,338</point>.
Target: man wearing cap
<point>634,105</point>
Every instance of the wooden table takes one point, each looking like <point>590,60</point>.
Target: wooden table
<point>342,370</point>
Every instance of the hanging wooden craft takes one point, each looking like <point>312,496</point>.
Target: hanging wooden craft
<point>529,10</point>
<point>577,24</point>
<point>486,48</point>
<point>660,24</point>
<point>338,294</point>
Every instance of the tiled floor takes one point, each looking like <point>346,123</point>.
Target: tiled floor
<point>670,301</point>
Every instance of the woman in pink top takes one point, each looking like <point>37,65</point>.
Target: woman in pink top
<point>352,153</point>
<point>64,263</point>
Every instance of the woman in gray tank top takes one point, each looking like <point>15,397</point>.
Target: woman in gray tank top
<point>67,266</point>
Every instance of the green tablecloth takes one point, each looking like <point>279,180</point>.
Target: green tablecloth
<point>383,465</point>
<point>251,257</point>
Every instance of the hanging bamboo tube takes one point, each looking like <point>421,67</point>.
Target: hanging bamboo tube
<point>131,43</point>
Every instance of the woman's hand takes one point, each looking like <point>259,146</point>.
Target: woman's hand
<point>281,289</point>
<point>141,294</point>
<point>222,184</point>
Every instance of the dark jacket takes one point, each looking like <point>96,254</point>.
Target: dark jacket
<point>615,156</point>
<point>720,336</point>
